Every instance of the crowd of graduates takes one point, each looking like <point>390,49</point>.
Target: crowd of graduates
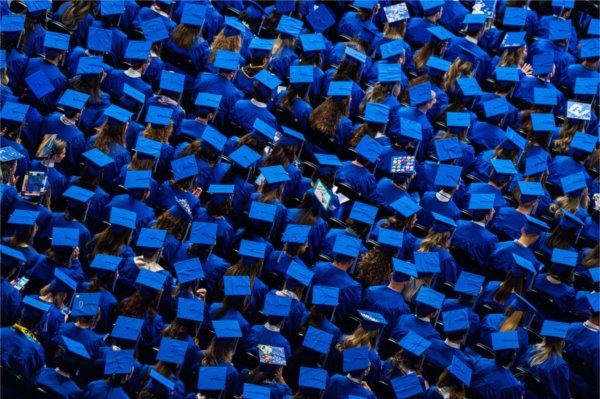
<point>299,199</point>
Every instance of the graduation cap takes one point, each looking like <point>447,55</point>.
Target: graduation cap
<point>456,320</point>
<point>138,50</point>
<point>355,359</point>
<point>469,87</point>
<point>289,27</point>
<point>543,122</point>
<point>291,137</point>
<point>34,308</point>
<point>85,304</point>
<point>431,7</point>
<point>405,207</point>
<point>584,143</point>
<point>253,250</point>
<point>594,27</point>
<point>389,240</point>
<point>136,95</point>
<point>284,6</point>
<point>369,149</point>
<point>354,54</point>
<point>96,161</point>
<point>377,113</point>
<point>56,41</point>
<point>298,273</point>
<point>261,130</point>
<point>340,88</point>
<point>396,13</point>
<point>9,154</point>
<point>123,218</point>
<point>73,99</point>
<point>244,156</point>
<point>171,350</point>
<point>212,378</point>
<point>111,7</point>
<point>325,296</point>
<point>320,18</point>
<point>441,223</point>
<point>543,96</point>
<point>312,43</point>
<point>252,391</point>
<point>35,6</point>
<point>513,40</point>
<point>503,167</point>
<point>296,234</point>
<point>364,4</point>
<point>505,340</point>
<point>474,22</point>
<point>172,81</point>
<point>513,141</point>
<point>271,357</point>
<point>151,238</point>
<point>117,115</point>
<point>562,257</point>
<point>193,14</point>
<point>109,263</point>
<point>74,348</point>
<point>447,149</point>
<point>317,340</point>
<point>554,331</point>
<point>508,74</point>
<point>13,112</point>
<point>207,102</point>
<point>227,60</point>
<point>530,191</point>
<point>586,86</point>
<point>389,73</point>
<point>119,361</point>
<point>363,213</point>
<point>153,280</point>
<point>371,321</point>
<point>159,116</point>
<point>184,167</point>
<point>392,50</point>
<point>496,108</point>
<point>22,217</point>
<point>138,179</point>
<point>261,47</point>
<point>158,383</point>
<point>301,74</point>
<point>262,211</point>
<point>10,257</point>
<point>188,270</point>
<point>213,138</point>
<point>89,66</point>
<point>570,221</point>
<point>12,23</point>
<point>65,237</point>
<point>154,31</point>
<point>407,386</point>
<point>312,378</point>
<point>440,34</point>
<point>593,298</point>
<point>403,270</point>
<point>99,39</point>
<point>327,163</point>
<point>535,226</point>
<point>469,283</point>
<point>203,233</point>
<point>559,29</point>
<point>62,282</point>
<point>414,343</point>
<point>429,300</point>
<point>190,310</point>
<point>521,304</point>
<point>535,164</point>
<point>233,27</point>
<point>276,305</point>
<point>579,111</point>
<point>543,63</point>
<point>573,184</point>
<point>460,370</point>
<point>460,120</point>
<point>220,192</point>
<point>227,329</point>
<point>275,176</point>
<point>268,80</point>
<point>427,262</point>
<point>447,175</point>
<point>514,16</point>
<point>346,246</point>
<point>420,94</point>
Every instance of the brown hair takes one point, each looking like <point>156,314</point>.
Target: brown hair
<point>592,258</point>
<point>514,319</point>
<point>457,70</point>
<point>138,305</point>
<point>360,337</point>
<point>222,42</point>
<point>109,243</point>
<point>435,240</point>
<point>429,49</point>
<point>513,58</point>
<point>109,135</point>
<point>159,133</point>
<point>565,136</point>
<point>281,155</point>
<point>326,117</point>
<point>375,266</point>
<point>215,353</point>
<point>510,284</point>
<point>173,224</point>
<point>76,12</point>
<point>185,36</point>
<point>394,32</point>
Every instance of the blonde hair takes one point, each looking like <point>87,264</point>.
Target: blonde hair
<point>215,354</point>
<point>281,43</point>
<point>394,32</point>
<point>513,320</point>
<point>222,42</point>
<point>513,58</point>
<point>360,337</point>
<point>76,12</point>
<point>591,260</point>
<point>565,136</point>
<point>457,70</point>
<point>571,204</point>
<point>160,133</point>
<point>435,240</point>
<point>109,135</point>
<point>413,287</point>
<point>543,351</point>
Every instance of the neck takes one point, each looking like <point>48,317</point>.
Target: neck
<point>360,165</point>
<point>341,266</point>
<point>491,183</point>
<point>398,287</point>
<point>526,240</point>
<point>552,279</point>
<point>524,210</point>
<point>82,324</point>
<point>52,61</point>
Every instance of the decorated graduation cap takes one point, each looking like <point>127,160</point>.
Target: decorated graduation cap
<point>62,282</point>
<point>252,251</point>
<point>274,176</point>
<point>95,161</point>
<point>320,18</point>
<point>563,260</point>
<point>220,192</point>
<point>10,257</point>
<point>171,350</point>
<point>456,320</point>
<point>182,210</point>
<point>298,274</point>
<point>442,224</point>
<point>119,362</point>
<point>396,13</point>
<point>530,191</point>
<point>33,309</point>
<point>573,184</point>
<point>127,328</point>
<point>371,321</point>
<point>355,359</point>
<point>289,27</point>
<point>85,304</point>
<point>325,296</point>
<point>212,378</point>
<point>227,60</point>
<point>65,237</point>
<point>469,284</point>
<point>447,176</point>
<point>578,111</point>
<point>203,233</point>
<point>570,221</point>
<point>262,131</point>
<point>346,248</point>
<point>535,226</point>
<point>407,386</point>
<point>405,207</point>
<point>368,149</point>
<point>420,94</point>
<point>312,378</point>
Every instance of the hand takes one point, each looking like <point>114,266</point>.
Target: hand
<point>365,385</point>
<point>201,292</point>
<point>527,69</point>
<point>279,376</point>
<point>13,282</point>
<point>76,253</point>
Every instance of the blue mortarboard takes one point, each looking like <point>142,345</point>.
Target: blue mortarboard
<point>261,128</point>
<point>554,330</point>
<point>213,138</point>
<point>23,217</point>
<point>563,3</point>
<point>12,23</point>
<point>440,34</point>
<point>85,304</point>
<point>171,350</point>
<point>530,191</point>
<point>371,321</point>
<point>364,4</point>
<point>441,223</point>
<point>543,122</point>
<point>262,211</point>
<point>190,309</point>
<point>122,217</point>
<point>369,149</point>
<point>284,6</point>
<point>579,111</point>
<point>62,282</point>
<point>355,54</point>
<point>595,274</point>
<point>469,87</point>
<point>96,160</point>
<point>237,285</point>
<point>395,13</point>
<point>559,29</point>
<point>276,305</point>
<point>99,39</point>
<point>299,273</point>
<point>188,270</point>
<point>363,213</point>
<point>481,202</point>
<point>456,320</point>
<point>521,304</point>
<point>301,74</point>
<point>570,221</point>
<point>535,226</point>
<point>573,184</point>
<point>291,137</point>
<point>514,16</point>
<point>447,149</point>
<point>427,262</point>
<point>474,22</point>
<point>117,113</point>
<point>543,63</point>
<point>75,348</point>
<point>312,378</point>
<point>65,237</point>
<point>208,100</point>
<point>469,283</point>
<point>14,112</point>
<point>447,175</point>
<point>431,7</point>
<point>289,26</point>
<point>389,73</point>
<point>153,280</point>
<point>134,94</point>
<point>461,370</point>
<point>505,340</point>
<point>403,270</point>
<point>127,328</point>
<point>543,96</point>
<point>496,108</point>
<point>267,79</point>
<point>34,6</point>
<point>430,298</point>
<point>535,164</point>
<point>212,378</point>
<point>586,86</point>
<point>159,382</point>
<point>252,391</point>
<point>503,167</point>
<point>594,27</point>
<point>56,41</point>
<point>10,257</point>
<point>296,234</point>
<point>564,257</point>
<point>420,94</point>
<point>377,113</point>
<point>317,340</point>
<point>244,156</point>
<point>119,361</point>
<point>414,343</point>
<point>151,238</point>
<point>182,210</point>
<point>589,49</point>
<point>584,143</point>
<point>261,47</point>
<point>154,31</point>
<point>160,116</point>
<point>136,179</point>
<point>203,233</point>
<point>312,43</point>
<point>36,304</point>
<point>594,300</point>
<point>460,120</point>
<point>172,81</point>
<point>390,238</point>
<point>327,163</point>
<point>355,359</point>
<point>220,192</point>
<point>73,99</point>
<point>193,14</point>
<point>340,88</point>
<point>407,386</point>
<point>106,262</point>
<point>8,154</point>
<point>112,7</point>
<point>392,49</point>
<point>138,50</point>
<point>513,141</point>
<point>275,175</point>
<point>405,206</point>
<point>513,40</point>
<point>233,27</point>
<point>227,329</point>
<point>507,74</point>
<point>327,296</point>
<point>346,246</point>
<point>252,249</point>
<point>184,167</point>
<point>320,18</point>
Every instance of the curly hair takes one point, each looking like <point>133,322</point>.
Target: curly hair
<point>375,267</point>
<point>458,69</point>
<point>222,42</point>
<point>565,136</point>
<point>570,203</point>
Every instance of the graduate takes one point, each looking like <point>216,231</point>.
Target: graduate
<point>356,363</point>
<point>11,297</point>
<point>428,303</point>
<point>118,368</point>
<point>417,29</point>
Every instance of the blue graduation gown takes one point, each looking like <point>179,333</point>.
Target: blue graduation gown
<point>562,294</point>
<point>50,324</point>
<point>389,192</point>
<point>525,88</point>
<point>114,82</point>
<point>74,138</point>
<point>389,303</point>
<point>410,322</point>
<point>350,291</point>
<point>574,71</point>
<point>440,354</point>
<point>413,114</point>
<point>486,135</point>
<point>491,324</point>
<point>416,31</point>
<point>217,84</point>
<point>16,64</point>
<point>457,304</point>
<point>482,60</point>
<point>58,220</point>
<point>351,25</point>
<point>23,164</point>
<point>233,383</point>
<point>361,179</point>
<point>582,344</point>
<point>280,62</point>
<point>214,267</point>
<point>316,236</point>
<point>35,41</point>
<point>54,75</point>
<point>231,314</point>
<point>502,259</point>
<point>509,222</point>
<point>475,239</point>
<point>10,305</point>
<point>484,188</point>
<point>92,341</point>
<point>301,110</point>
<point>339,386</point>
<point>44,270</point>
<point>100,390</point>
<point>167,194</point>
<point>188,62</point>
<point>260,335</point>
<point>225,233</point>
<point>57,384</point>
<point>562,166</point>
<point>487,297</point>
<point>431,203</point>
<point>21,353</point>
<point>495,382</point>
<point>245,112</point>
<point>145,214</point>
<point>553,373</point>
